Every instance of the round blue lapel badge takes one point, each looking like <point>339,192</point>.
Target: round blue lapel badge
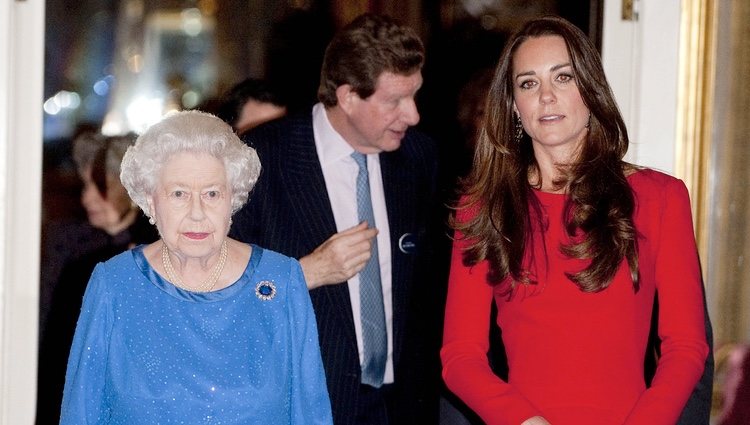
<point>265,290</point>
<point>407,243</point>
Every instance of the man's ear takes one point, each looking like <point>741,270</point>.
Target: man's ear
<point>346,97</point>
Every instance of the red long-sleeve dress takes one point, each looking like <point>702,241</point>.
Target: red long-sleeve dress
<point>576,357</point>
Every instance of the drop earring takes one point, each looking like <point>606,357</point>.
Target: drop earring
<point>518,128</point>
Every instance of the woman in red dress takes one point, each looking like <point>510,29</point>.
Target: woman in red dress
<point>574,245</point>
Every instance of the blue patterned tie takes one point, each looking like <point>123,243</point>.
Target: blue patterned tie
<point>372,314</point>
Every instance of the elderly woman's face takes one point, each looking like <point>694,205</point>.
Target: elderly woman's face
<point>546,94</point>
<point>192,204</point>
<point>104,211</point>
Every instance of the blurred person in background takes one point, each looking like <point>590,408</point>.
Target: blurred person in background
<point>735,406</point>
<point>251,102</point>
<point>114,224</point>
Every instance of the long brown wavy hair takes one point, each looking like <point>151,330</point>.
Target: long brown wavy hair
<point>498,193</point>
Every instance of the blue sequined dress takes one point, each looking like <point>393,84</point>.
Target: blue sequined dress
<point>147,352</point>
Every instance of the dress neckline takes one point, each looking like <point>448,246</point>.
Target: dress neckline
<point>183,294</point>
<point>561,197</point>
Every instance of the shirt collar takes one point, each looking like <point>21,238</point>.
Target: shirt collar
<point>330,145</point>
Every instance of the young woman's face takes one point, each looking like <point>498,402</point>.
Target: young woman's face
<point>192,204</point>
<point>546,95</point>
<point>104,212</point>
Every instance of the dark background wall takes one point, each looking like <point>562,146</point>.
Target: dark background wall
<point>281,41</point>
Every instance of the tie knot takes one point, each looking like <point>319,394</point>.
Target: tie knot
<point>360,159</point>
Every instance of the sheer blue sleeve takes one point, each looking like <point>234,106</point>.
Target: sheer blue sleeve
<point>309,399</point>
<point>84,400</point>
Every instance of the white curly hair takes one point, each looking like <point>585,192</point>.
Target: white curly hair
<point>188,131</point>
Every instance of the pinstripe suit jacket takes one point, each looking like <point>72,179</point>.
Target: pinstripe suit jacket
<point>289,211</point>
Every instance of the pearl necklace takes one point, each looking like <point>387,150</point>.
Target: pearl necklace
<point>209,284</point>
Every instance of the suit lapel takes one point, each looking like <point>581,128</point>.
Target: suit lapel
<point>306,189</point>
<point>308,197</point>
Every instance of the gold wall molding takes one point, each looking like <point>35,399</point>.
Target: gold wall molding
<point>694,115</point>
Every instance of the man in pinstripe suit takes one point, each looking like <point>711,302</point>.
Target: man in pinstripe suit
<point>304,205</point>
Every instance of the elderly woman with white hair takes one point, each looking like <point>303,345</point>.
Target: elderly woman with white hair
<point>195,327</point>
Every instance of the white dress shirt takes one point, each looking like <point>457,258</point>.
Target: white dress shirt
<point>340,174</point>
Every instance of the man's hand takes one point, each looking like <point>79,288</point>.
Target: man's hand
<point>340,257</point>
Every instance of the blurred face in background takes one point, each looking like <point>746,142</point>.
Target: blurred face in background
<point>255,113</point>
<point>110,211</point>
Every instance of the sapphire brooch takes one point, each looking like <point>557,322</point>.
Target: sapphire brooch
<point>265,290</point>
